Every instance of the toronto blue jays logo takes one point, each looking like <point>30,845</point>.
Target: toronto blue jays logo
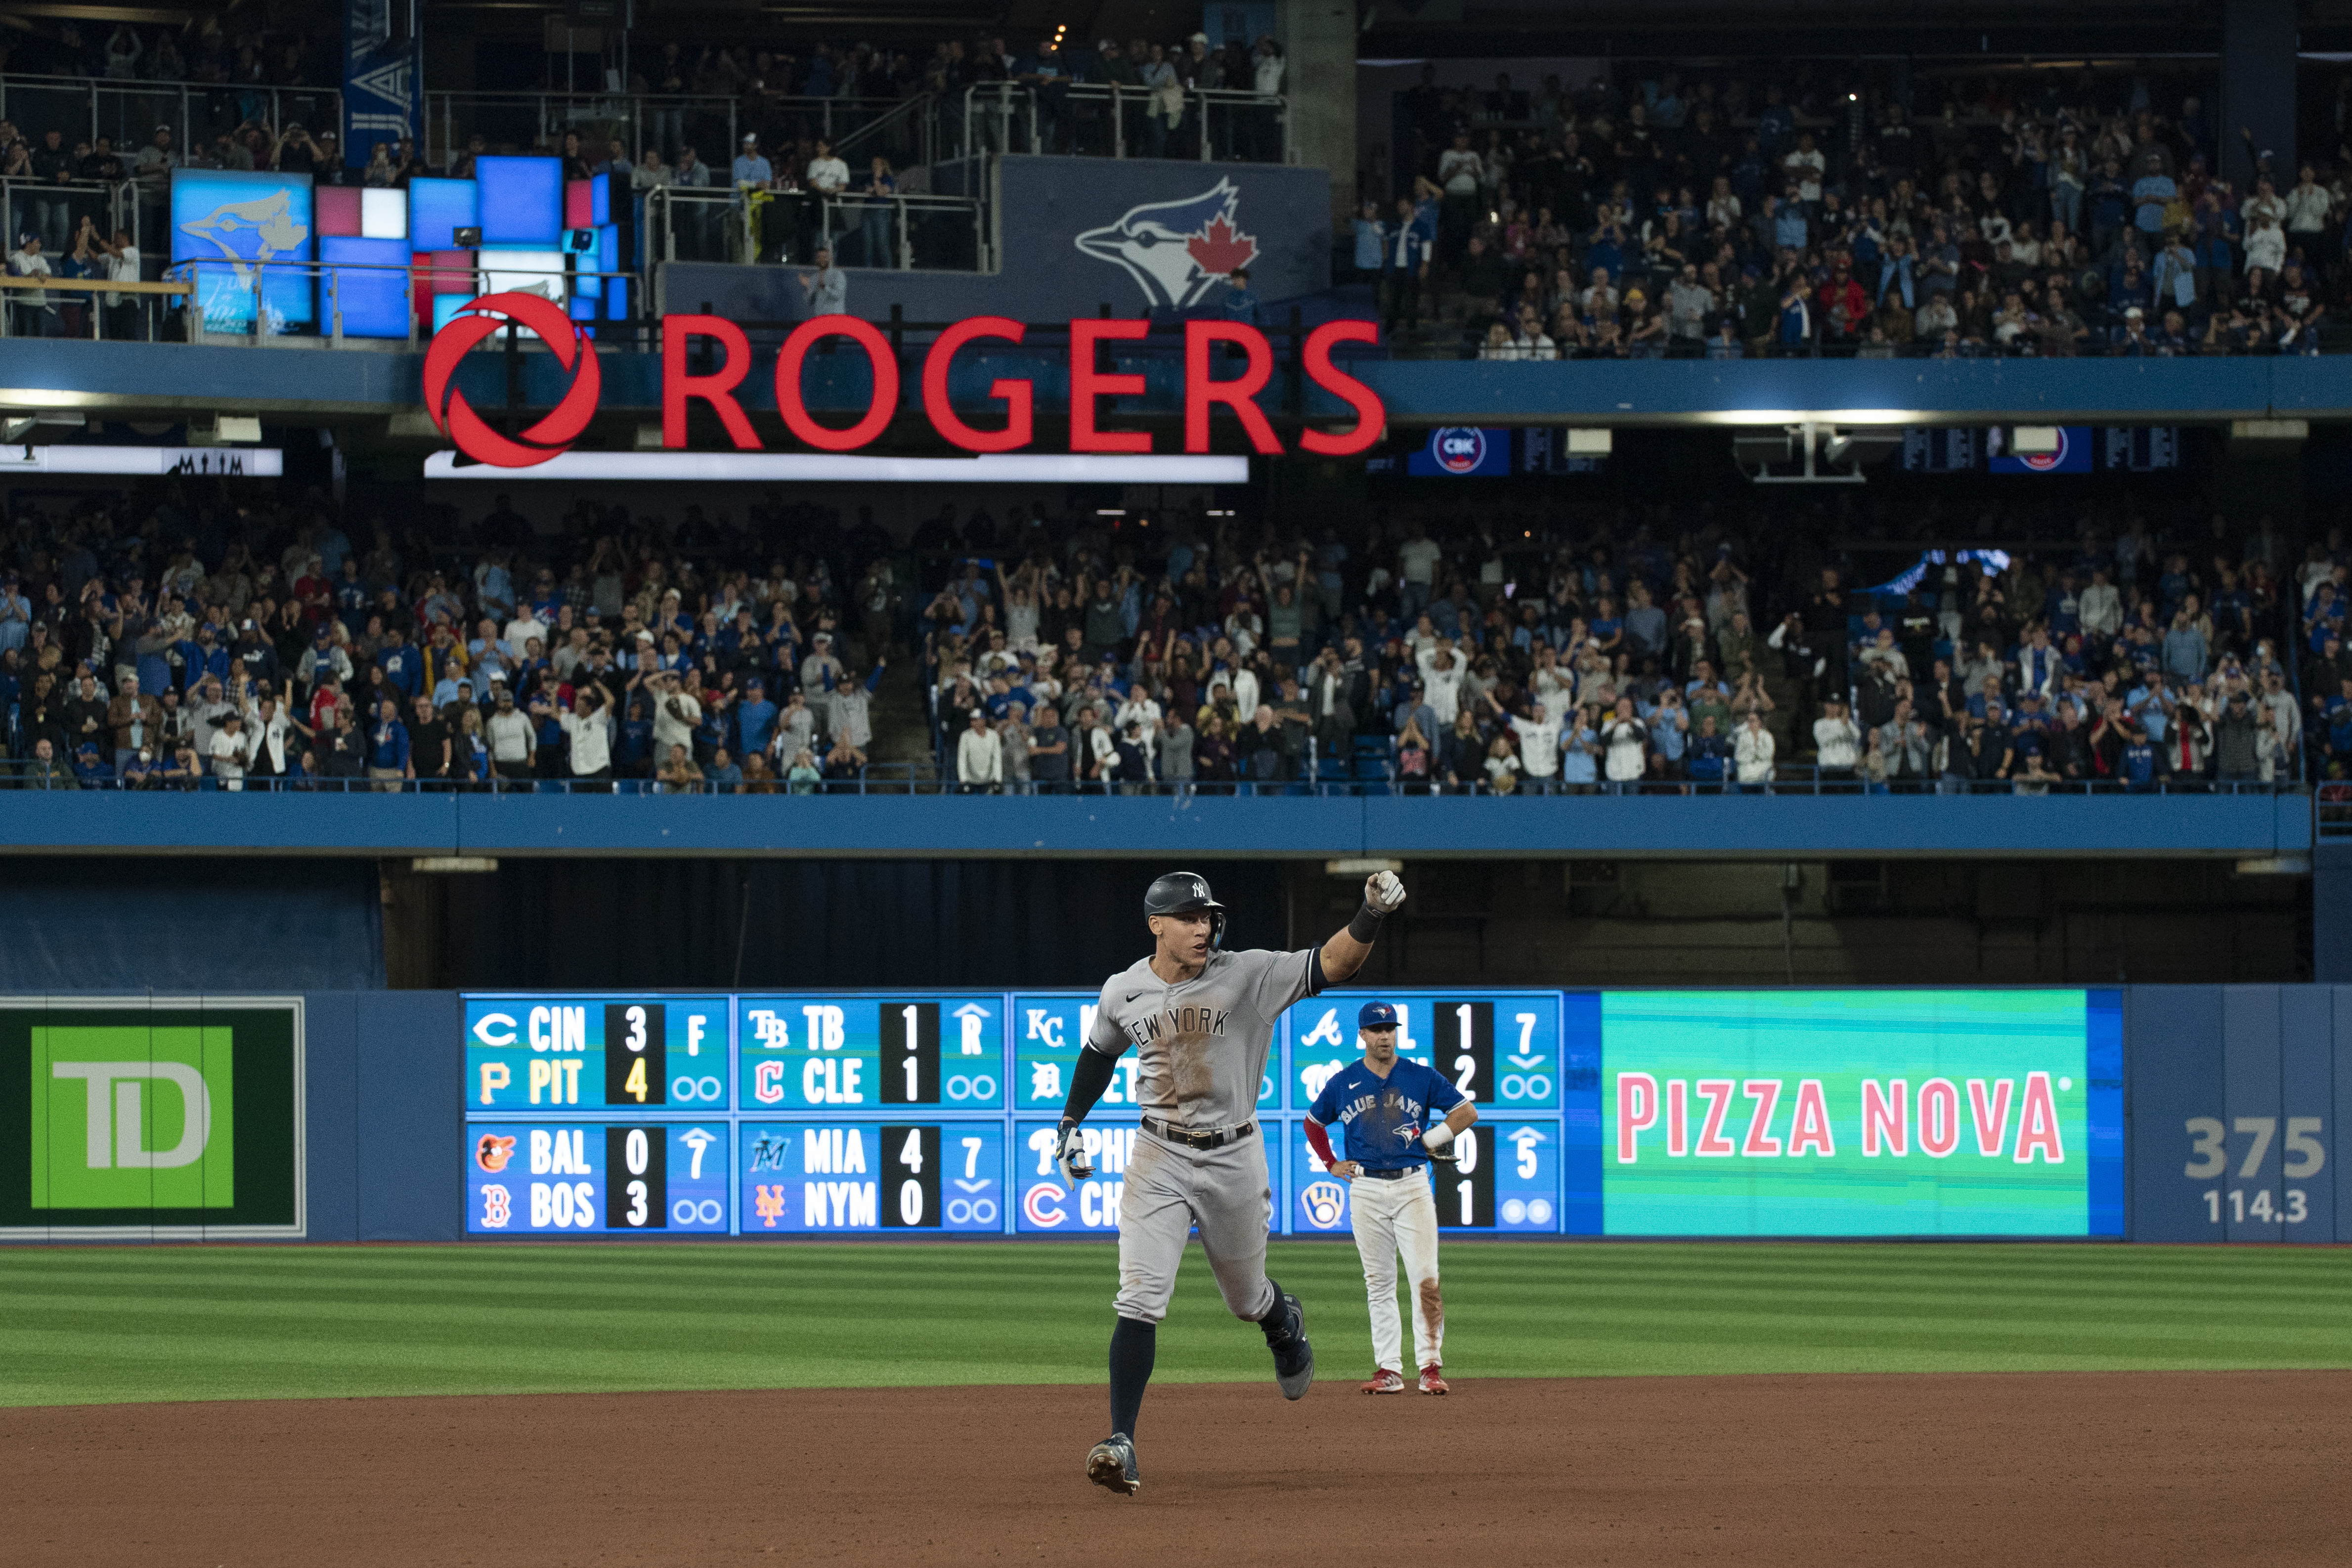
<point>249,235</point>
<point>261,229</point>
<point>1177,250</point>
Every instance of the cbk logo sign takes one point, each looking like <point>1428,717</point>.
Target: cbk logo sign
<point>178,1117</point>
<point>112,1128</point>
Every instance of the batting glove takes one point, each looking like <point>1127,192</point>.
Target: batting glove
<point>1070,1154</point>
<point>1384,892</point>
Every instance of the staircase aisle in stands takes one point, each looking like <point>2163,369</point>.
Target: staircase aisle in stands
<point>901,757</point>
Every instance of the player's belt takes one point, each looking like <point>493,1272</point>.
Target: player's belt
<point>1198,1137</point>
<point>1397,1176</point>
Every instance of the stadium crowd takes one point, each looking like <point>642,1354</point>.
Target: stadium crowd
<point>1651,651</point>
<point>206,636</point>
<point>1805,210</point>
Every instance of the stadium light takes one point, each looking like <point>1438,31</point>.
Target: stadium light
<point>1855,447</point>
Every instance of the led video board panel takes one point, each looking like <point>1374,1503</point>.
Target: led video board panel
<point>528,1054</point>
<point>1502,1048</point>
<point>831,1052</point>
<point>1861,1113</point>
<point>826,1177</point>
<point>530,1178</point>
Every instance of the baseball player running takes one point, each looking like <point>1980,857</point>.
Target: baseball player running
<point>1201,1021</point>
<point>1385,1105</point>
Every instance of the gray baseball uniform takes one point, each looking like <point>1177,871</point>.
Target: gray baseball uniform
<point>1201,1049</point>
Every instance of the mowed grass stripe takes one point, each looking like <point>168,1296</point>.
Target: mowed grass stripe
<point>97,1325</point>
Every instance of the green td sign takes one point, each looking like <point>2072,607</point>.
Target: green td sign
<point>127,1117</point>
<point>178,1117</point>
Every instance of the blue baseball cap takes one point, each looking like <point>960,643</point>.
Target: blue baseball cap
<point>1376,1015</point>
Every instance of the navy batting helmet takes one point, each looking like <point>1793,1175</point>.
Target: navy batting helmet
<point>1179,891</point>
<point>1376,1015</point>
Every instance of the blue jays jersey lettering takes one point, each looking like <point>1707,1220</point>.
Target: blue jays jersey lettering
<point>1384,1117</point>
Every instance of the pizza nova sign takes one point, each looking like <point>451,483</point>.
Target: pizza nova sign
<point>718,389</point>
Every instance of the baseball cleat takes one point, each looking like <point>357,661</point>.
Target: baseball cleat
<point>1385,1382</point>
<point>1111,1463</point>
<point>1293,1358</point>
<point>1433,1379</point>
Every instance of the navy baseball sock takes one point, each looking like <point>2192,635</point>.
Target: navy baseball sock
<point>1133,1345</point>
<point>1277,1321</point>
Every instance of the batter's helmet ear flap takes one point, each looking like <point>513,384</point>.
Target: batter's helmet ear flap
<point>1216,928</point>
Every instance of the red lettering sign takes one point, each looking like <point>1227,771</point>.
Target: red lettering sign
<point>1090,383</point>
<point>1016,395</point>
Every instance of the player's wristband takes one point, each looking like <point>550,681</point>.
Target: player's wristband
<point>1366,927</point>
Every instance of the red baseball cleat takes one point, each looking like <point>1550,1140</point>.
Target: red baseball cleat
<point>1385,1382</point>
<point>1433,1379</point>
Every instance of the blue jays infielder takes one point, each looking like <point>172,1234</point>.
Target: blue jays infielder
<point>1385,1106</point>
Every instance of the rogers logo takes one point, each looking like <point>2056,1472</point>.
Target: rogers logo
<point>562,425</point>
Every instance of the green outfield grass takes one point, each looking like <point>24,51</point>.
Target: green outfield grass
<point>97,1325</point>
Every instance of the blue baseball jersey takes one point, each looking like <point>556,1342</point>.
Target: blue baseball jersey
<point>1384,1117</point>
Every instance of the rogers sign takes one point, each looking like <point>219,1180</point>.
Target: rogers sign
<point>1090,384</point>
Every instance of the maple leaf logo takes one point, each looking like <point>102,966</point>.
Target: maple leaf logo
<point>1218,249</point>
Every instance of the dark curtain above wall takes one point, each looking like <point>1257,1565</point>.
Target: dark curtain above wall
<point>598,925</point>
<point>123,923</point>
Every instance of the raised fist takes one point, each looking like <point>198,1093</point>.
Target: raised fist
<point>1383,891</point>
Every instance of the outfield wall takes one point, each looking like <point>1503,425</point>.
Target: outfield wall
<point>2155,1114</point>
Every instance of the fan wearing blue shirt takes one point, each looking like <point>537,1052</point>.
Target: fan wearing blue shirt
<point>1383,1105</point>
<point>755,718</point>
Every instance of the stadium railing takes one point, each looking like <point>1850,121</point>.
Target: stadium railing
<point>2332,802</point>
<point>16,291</point>
<point>933,233</point>
<point>191,278</point>
<point>1109,120</point>
<point>55,212</point>
<point>712,124</point>
<point>128,112</point>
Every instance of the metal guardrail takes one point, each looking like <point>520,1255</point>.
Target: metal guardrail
<point>128,112</point>
<point>2332,803</point>
<point>1111,119</point>
<point>875,778</point>
<point>56,212</point>
<point>330,325</point>
<point>744,227</point>
<point>712,124</point>
<point>2331,810</point>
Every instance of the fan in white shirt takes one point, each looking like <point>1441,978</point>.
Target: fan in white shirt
<point>1441,679</point>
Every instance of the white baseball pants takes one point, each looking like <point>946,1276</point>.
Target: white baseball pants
<point>1169,1190</point>
<point>1394,1217</point>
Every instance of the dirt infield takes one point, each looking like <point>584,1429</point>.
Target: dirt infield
<point>2078,1468</point>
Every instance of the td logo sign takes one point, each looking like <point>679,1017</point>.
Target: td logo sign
<point>174,1118</point>
<point>133,1118</point>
